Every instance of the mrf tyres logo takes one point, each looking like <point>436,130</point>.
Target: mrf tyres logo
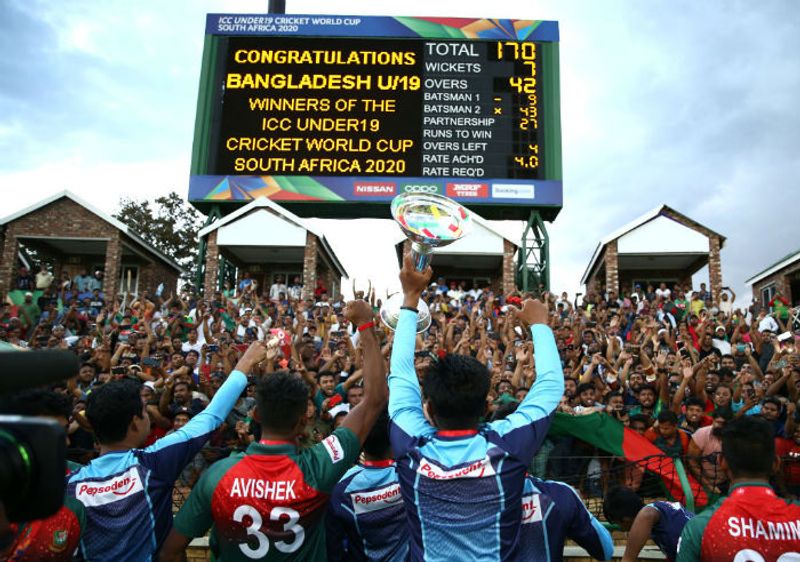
<point>467,189</point>
<point>109,491</point>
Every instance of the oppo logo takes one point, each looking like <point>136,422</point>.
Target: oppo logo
<point>420,188</point>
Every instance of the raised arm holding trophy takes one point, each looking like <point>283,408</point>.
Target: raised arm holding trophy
<point>429,221</point>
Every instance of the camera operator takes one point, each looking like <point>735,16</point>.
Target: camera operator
<point>53,538</point>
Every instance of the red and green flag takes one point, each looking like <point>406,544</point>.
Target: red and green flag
<point>611,436</point>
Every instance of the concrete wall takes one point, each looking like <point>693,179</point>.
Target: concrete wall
<point>458,274</point>
<point>480,240</point>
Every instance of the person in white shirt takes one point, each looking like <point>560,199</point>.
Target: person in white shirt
<point>261,324</point>
<point>663,292</point>
<point>192,343</point>
<point>725,303</point>
<point>44,278</point>
<point>201,316</point>
<point>246,322</point>
<point>295,289</point>
<point>767,323</point>
<point>718,341</point>
<point>564,300</point>
<point>637,303</point>
<point>277,288</point>
<point>475,293</point>
<point>455,294</point>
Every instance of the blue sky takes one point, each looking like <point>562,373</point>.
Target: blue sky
<point>693,104</point>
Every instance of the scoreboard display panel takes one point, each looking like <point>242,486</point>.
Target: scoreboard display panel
<point>319,113</point>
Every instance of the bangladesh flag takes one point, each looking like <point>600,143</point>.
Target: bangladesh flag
<point>611,436</point>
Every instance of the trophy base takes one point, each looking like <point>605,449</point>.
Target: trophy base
<point>390,313</point>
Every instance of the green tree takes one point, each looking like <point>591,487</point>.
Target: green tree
<point>169,224</point>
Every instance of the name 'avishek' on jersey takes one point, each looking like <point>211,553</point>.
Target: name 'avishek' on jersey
<point>366,517</point>
<point>752,524</point>
<point>463,489</point>
<point>269,504</point>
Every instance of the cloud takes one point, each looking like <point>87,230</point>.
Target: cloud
<point>102,184</point>
<point>693,104</point>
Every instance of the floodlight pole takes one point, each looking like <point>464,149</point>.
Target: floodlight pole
<point>533,259</point>
<point>277,6</point>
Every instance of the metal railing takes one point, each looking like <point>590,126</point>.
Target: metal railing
<point>657,477</point>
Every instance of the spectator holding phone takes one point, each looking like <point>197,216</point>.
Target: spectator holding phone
<point>178,397</point>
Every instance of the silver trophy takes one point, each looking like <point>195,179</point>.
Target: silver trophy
<point>429,221</point>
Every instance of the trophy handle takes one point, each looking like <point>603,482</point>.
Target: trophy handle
<point>422,255</point>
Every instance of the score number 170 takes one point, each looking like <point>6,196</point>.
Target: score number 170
<point>525,52</point>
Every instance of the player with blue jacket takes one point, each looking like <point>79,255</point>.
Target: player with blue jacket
<point>123,499</point>
<point>366,518</point>
<point>461,481</point>
<point>552,512</point>
<point>661,521</point>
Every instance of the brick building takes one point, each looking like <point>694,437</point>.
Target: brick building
<point>483,256</point>
<point>71,235</point>
<point>662,245</point>
<point>782,277</point>
<point>263,240</point>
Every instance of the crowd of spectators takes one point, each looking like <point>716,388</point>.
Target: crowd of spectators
<point>671,363</point>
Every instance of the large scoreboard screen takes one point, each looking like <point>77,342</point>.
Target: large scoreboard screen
<point>316,111</point>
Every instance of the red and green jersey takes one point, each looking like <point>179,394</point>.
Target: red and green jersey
<point>52,539</point>
<point>269,503</point>
<point>752,524</point>
<point>789,452</point>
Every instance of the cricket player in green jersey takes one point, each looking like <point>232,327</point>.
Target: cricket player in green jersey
<point>269,503</point>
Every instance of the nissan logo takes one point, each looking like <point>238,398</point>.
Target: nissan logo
<point>413,188</point>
